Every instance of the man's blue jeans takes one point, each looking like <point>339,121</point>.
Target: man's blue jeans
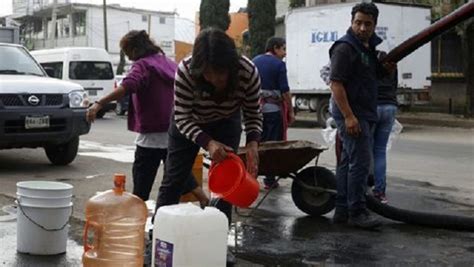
<point>353,168</point>
<point>383,127</point>
<point>272,131</point>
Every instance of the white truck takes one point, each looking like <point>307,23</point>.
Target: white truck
<point>10,35</point>
<point>89,67</point>
<point>311,31</point>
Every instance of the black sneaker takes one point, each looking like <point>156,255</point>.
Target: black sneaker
<point>370,180</point>
<point>230,260</point>
<point>147,253</point>
<point>340,216</point>
<point>364,220</point>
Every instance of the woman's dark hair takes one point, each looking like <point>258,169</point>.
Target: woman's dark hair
<point>215,49</point>
<point>273,42</point>
<point>366,8</point>
<point>137,44</point>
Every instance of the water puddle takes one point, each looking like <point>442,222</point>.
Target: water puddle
<point>119,153</point>
<point>10,257</point>
<point>10,211</point>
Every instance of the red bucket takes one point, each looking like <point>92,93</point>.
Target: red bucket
<point>230,180</point>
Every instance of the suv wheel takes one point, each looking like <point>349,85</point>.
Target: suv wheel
<point>63,154</point>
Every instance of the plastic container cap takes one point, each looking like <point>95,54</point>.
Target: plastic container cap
<point>119,182</point>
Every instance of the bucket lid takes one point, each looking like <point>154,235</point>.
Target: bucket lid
<point>44,185</point>
<point>43,197</point>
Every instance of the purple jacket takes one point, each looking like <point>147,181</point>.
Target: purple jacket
<point>151,86</point>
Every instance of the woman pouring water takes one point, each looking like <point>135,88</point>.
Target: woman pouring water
<point>213,88</point>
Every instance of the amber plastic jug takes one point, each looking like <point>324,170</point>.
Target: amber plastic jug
<point>117,219</point>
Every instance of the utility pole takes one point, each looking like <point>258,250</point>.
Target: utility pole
<point>54,25</point>
<point>149,24</point>
<point>106,39</point>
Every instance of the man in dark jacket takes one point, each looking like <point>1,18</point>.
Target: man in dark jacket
<point>354,70</point>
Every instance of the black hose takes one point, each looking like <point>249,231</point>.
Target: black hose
<point>451,222</point>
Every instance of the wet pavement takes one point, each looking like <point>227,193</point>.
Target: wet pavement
<point>278,234</point>
<point>430,169</point>
<point>9,255</point>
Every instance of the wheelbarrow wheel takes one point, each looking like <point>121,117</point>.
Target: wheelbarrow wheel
<point>311,201</point>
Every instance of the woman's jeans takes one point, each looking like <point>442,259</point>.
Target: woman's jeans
<point>146,164</point>
<point>181,155</point>
<point>385,119</point>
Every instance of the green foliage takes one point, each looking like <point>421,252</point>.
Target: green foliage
<point>261,24</point>
<point>214,13</point>
<point>297,3</point>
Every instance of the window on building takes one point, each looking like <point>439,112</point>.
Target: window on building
<point>447,55</point>
<point>79,24</point>
<point>37,26</point>
<point>144,18</point>
<point>162,20</point>
<point>57,68</point>
<point>63,25</point>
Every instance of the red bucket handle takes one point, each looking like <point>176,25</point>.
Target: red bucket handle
<point>232,156</point>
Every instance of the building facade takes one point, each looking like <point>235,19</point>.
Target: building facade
<point>63,25</point>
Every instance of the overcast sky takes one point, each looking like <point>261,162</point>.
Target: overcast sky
<point>185,8</point>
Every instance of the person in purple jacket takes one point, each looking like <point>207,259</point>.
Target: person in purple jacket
<point>150,84</point>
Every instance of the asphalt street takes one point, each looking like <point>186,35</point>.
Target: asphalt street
<point>429,169</point>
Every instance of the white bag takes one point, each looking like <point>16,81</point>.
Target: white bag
<point>329,133</point>
<point>394,134</point>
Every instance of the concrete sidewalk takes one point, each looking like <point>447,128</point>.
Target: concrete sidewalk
<point>307,119</point>
<point>435,119</point>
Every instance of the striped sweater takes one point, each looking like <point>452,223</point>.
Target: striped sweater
<point>193,107</point>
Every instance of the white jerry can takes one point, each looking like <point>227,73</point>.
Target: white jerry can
<point>186,235</point>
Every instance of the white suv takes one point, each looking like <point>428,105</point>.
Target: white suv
<point>38,111</point>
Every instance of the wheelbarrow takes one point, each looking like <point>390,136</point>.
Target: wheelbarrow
<point>313,189</point>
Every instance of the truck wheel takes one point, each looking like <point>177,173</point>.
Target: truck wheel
<point>309,201</point>
<point>63,154</point>
<point>100,114</point>
<point>313,104</point>
<point>323,112</point>
<point>119,109</point>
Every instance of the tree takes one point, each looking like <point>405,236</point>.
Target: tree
<point>261,24</point>
<point>297,3</point>
<point>214,13</point>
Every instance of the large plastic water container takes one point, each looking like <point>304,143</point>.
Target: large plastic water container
<point>44,209</point>
<point>117,219</point>
<point>186,235</point>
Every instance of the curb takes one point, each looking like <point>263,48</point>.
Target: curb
<point>420,119</point>
<point>437,120</point>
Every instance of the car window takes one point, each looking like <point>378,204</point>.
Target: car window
<point>57,68</point>
<point>16,60</point>
<point>90,70</point>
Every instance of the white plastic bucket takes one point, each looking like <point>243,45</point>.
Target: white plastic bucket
<point>44,209</point>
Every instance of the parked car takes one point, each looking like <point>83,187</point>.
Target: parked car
<point>37,111</point>
<point>88,66</point>
<point>122,105</point>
